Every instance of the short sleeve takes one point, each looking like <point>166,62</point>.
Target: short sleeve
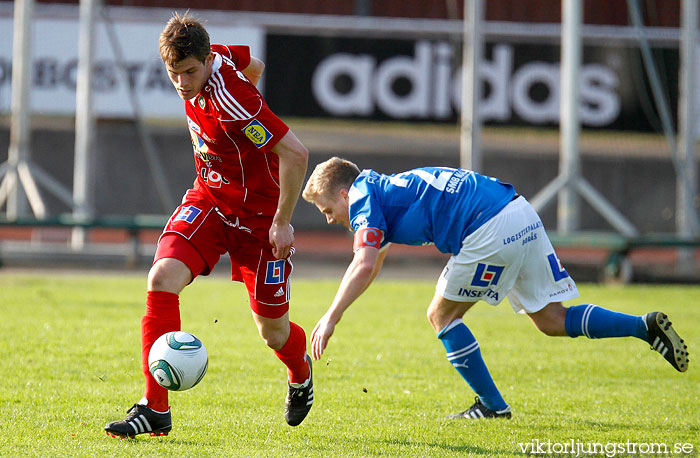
<point>239,54</point>
<point>364,209</point>
<point>242,110</point>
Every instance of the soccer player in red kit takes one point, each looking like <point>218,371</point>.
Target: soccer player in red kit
<point>250,169</point>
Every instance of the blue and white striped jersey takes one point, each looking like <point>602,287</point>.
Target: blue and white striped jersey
<point>437,205</point>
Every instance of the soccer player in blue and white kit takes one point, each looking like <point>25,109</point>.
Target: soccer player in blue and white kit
<point>499,249</point>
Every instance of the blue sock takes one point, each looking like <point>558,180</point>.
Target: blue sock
<point>596,322</point>
<point>464,354</point>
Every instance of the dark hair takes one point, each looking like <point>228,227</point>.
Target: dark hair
<point>183,36</point>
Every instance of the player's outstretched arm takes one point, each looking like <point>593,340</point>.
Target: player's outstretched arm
<point>357,278</point>
<point>293,158</point>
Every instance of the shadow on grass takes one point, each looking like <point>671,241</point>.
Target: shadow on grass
<point>144,440</point>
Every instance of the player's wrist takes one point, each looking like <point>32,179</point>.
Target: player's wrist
<point>281,221</point>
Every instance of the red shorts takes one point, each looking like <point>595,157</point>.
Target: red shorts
<point>198,236</point>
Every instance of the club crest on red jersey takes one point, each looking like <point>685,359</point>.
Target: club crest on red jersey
<point>257,133</point>
<point>201,102</point>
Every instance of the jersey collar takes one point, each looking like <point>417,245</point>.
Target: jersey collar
<point>218,61</point>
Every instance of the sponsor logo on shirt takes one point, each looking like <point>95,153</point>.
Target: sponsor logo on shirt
<point>257,133</point>
<point>193,126</point>
<point>456,181</point>
<point>198,144</point>
<point>208,157</point>
<point>195,129</point>
<point>212,178</point>
<point>201,150</point>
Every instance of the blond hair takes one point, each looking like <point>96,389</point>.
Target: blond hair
<point>329,177</point>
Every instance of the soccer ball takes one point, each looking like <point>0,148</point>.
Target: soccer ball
<point>178,360</point>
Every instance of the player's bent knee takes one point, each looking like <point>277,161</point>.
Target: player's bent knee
<point>435,318</point>
<point>273,332</point>
<point>169,275</point>
<point>430,313</point>
<point>274,339</point>
<point>442,312</point>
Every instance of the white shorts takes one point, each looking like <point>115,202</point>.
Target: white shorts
<point>510,255</point>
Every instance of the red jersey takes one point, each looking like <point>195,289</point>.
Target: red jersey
<point>233,132</point>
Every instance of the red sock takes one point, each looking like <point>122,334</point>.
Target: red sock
<point>162,315</point>
<point>293,355</point>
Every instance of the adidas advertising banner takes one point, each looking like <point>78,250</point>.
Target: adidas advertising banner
<point>421,81</point>
<point>339,76</point>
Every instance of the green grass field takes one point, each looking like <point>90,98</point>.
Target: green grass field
<point>70,364</point>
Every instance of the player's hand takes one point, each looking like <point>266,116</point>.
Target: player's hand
<point>281,239</point>
<point>320,335</point>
